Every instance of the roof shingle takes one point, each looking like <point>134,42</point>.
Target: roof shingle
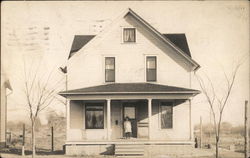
<point>78,42</point>
<point>180,41</point>
<point>131,88</point>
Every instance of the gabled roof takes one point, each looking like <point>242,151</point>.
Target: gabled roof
<point>134,88</point>
<point>180,41</point>
<point>177,42</point>
<point>79,42</point>
<point>164,39</point>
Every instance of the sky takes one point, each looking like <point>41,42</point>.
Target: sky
<point>42,32</point>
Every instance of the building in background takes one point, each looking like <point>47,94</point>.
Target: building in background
<point>5,87</point>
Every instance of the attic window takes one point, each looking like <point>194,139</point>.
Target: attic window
<point>129,35</point>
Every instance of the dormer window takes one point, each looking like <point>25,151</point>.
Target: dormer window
<point>129,35</point>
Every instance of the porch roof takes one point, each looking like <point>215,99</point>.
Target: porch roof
<point>130,88</point>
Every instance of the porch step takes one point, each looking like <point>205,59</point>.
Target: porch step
<point>129,150</point>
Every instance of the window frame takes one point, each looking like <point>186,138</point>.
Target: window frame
<point>172,113</point>
<point>94,104</point>
<point>151,56</point>
<point>132,28</point>
<point>107,81</point>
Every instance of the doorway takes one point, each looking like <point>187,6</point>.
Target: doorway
<point>130,110</point>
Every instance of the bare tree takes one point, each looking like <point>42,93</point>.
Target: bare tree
<point>38,91</point>
<point>39,95</point>
<point>217,104</point>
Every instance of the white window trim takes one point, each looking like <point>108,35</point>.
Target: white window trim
<point>145,67</point>
<point>104,117</point>
<point>103,67</point>
<point>124,27</point>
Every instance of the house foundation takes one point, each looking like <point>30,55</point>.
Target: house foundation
<point>151,148</point>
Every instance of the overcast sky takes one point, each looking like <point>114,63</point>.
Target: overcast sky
<point>217,34</point>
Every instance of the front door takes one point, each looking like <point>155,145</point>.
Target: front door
<point>129,110</point>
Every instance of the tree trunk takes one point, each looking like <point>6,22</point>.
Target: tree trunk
<point>216,150</point>
<point>217,147</point>
<point>33,139</point>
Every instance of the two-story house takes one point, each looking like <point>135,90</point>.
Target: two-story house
<point>129,70</point>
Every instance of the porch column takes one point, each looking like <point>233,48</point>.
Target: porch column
<point>108,119</point>
<point>67,118</point>
<point>190,120</point>
<point>149,117</point>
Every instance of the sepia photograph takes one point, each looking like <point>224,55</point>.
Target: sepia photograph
<point>125,79</point>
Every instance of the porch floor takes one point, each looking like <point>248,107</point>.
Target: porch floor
<point>132,141</point>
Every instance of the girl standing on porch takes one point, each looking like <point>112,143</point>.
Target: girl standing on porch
<point>127,127</point>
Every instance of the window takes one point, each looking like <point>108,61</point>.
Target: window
<point>129,35</point>
<point>94,116</point>
<point>110,69</point>
<point>129,112</point>
<point>166,115</point>
<point>151,68</point>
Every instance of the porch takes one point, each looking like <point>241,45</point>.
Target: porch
<point>153,119</point>
<point>160,116</point>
